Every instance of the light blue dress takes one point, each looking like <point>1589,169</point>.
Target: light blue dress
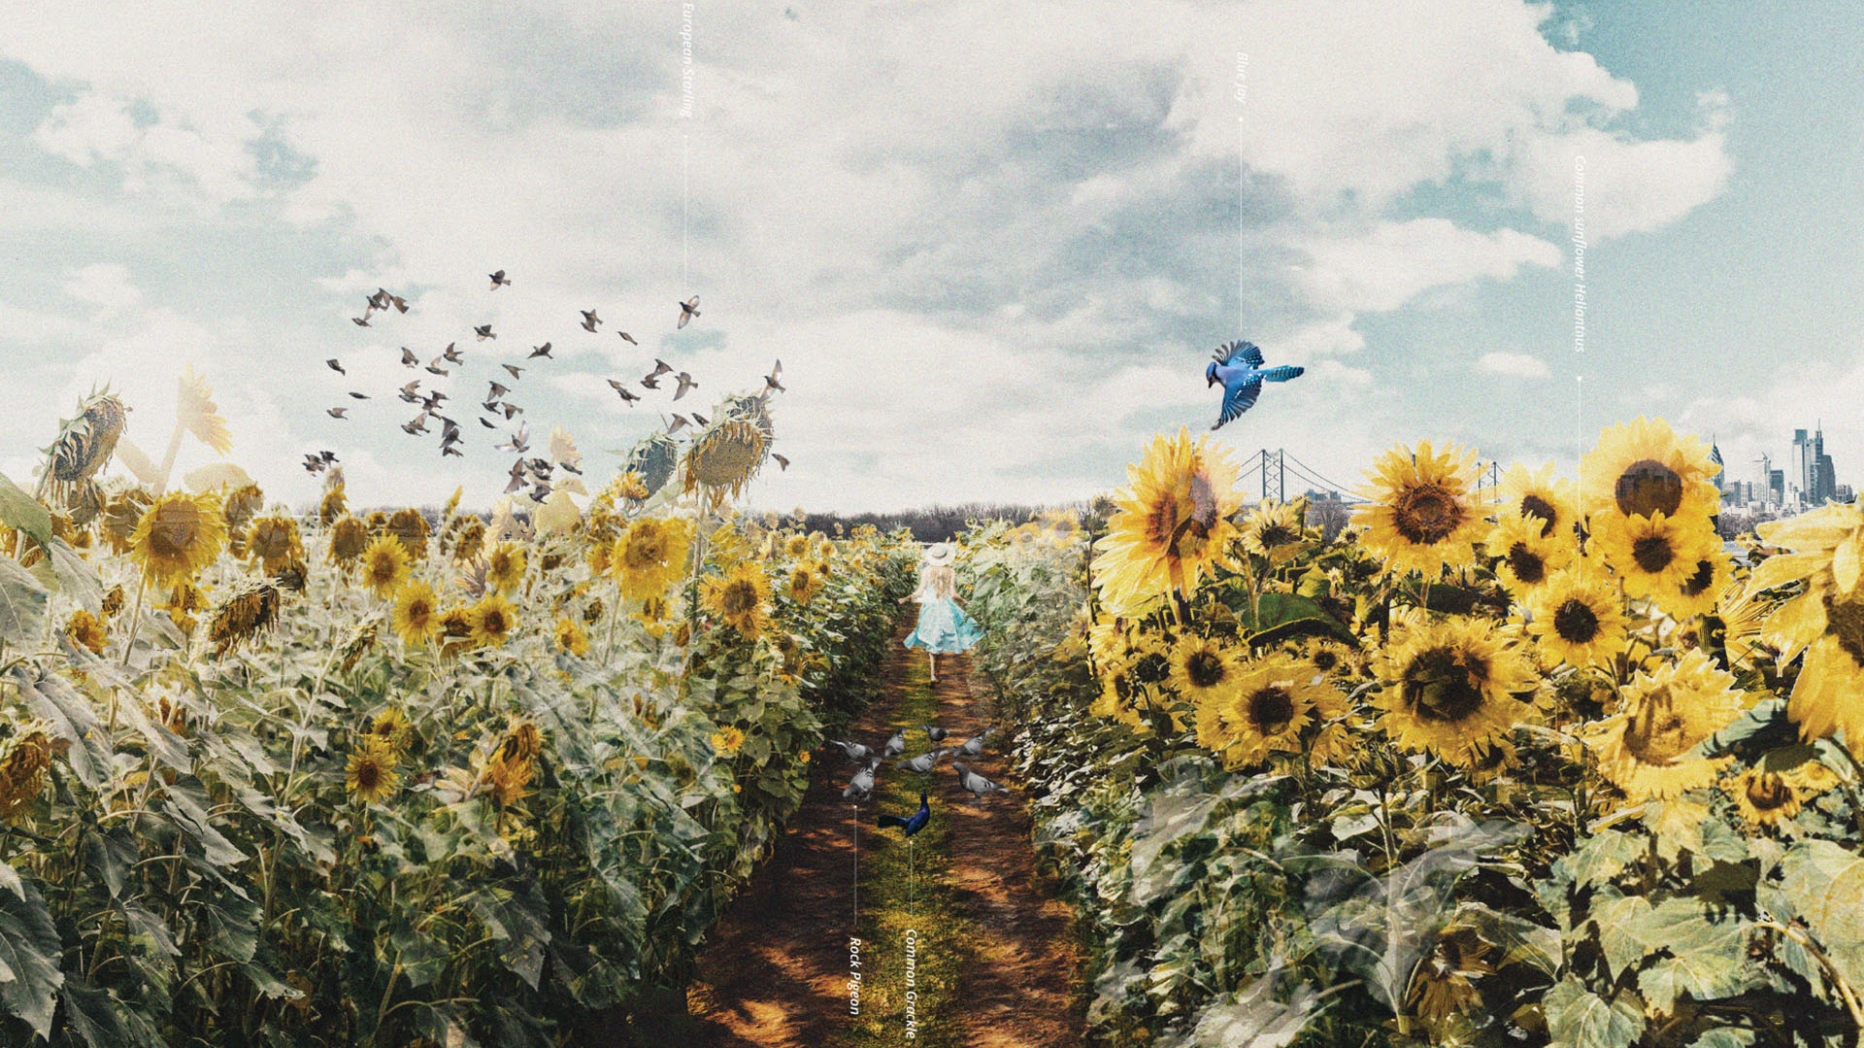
<point>944,628</point>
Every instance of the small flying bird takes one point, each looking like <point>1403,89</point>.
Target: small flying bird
<point>449,431</point>
<point>913,823</point>
<point>359,396</point>
<point>517,483</point>
<point>362,321</point>
<point>540,467</point>
<point>498,280</point>
<point>488,423</point>
<point>416,425</point>
<point>770,380</point>
<point>589,319</point>
<point>650,382</point>
<point>925,762</point>
<point>700,419</point>
<point>497,390</point>
<point>448,449</point>
<point>1238,367</point>
<point>679,422</point>
<point>510,410</point>
<point>379,300</point>
<point>401,304</point>
<point>408,359</point>
<point>571,469</point>
<point>627,338</point>
<point>313,464</point>
<point>434,368</point>
<point>520,441</point>
<point>977,784</point>
<point>408,390</point>
<point>336,412</point>
<point>622,391</point>
<point>782,463</point>
<point>861,787</point>
<point>974,745</point>
<point>336,366</point>
<point>484,331</point>
<point>451,355</point>
<point>688,310</point>
<point>540,493</point>
<point>432,400</point>
<point>661,367</point>
<point>854,751</point>
<point>936,734</point>
<point>514,369</point>
<point>540,351</point>
<point>491,406</point>
<point>895,745</point>
<point>686,383</point>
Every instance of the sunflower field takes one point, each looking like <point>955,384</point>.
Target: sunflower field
<point>1545,763</point>
<point>280,778</point>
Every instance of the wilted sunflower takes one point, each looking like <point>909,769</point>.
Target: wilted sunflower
<point>178,536</point>
<point>392,728</point>
<point>411,528</point>
<point>740,598</point>
<point>470,541</point>
<point>494,620</point>
<point>113,602</point>
<point>1527,559</point>
<point>1644,749</point>
<point>349,538</point>
<point>504,567</point>
<point>274,542</point>
<point>332,505</point>
<point>85,630</point>
<point>1420,516</point>
<point>1441,988</point>
<point>1539,497</point>
<point>1201,669</point>
<point>1703,590</point>
<point>1172,525</point>
<point>570,637</point>
<point>1264,711</point>
<point>121,516</point>
<point>82,448</point>
<point>523,741</point>
<point>1764,797</point>
<point>385,565</point>
<point>727,454</point>
<point>1644,468</point>
<point>631,487</point>
<point>1655,556</point>
<point>417,614</point>
<point>183,601</point>
<point>371,777</point>
<point>805,582</point>
<point>509,776</point>
<point>653,616</point>
<point>1578,619</point>
<point>726,741</point>
<point>240,617</point>
<point>1275,530</point>
<point>243,504</point>
<point>650,555</point>
<point>1449,687</point>
<point>25,755</point>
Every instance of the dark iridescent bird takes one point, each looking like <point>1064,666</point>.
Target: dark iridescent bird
<point>770,380</point>
<point>781,461</point>
<point>652,379</point>
<point>434,368</point>
<point>627,338</point>
<point>379,300</point>
<point>359,396</point>
<point>1238,368</point>
<point>686,382</point>
<point>912,823</point>
<point>623,392</point>
<point>313,464</point>
<point>408,359</point>
<point>335,412</point>
<point>452,355</point>
<point>589,319</point>
<point>514,369</point>
<point>336,366</point>
<point>416,425</point>
<point>484,331</point>
<point>498,280</point>
<point>688,310</point>
<point>700,419</point>
<point>362,321</point>
<point>540,351</point>
<point>497,391</point>
<point>408,391</point>
<point>488,423</point>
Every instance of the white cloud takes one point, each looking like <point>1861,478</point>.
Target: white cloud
<point>1513,365</point>
<point>1383,268</point>
<point>105,285</point>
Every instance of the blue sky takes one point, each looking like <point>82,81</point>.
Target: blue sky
<point>992,243</point>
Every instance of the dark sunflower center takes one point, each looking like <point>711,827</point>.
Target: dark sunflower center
<point>1657,733</point>
<point>1647,487</point>
<point>174,530</point>
<point>1426,514</point>
<point>368,775</point>
<point>419,609</point>
<point>1526,564</point>
<point>1700,581</point>
<point>1653,553</point>
<point>647,549</point>
<point>494,622</point>
<point>382,568</point>
<point>1204,669</point>
<point>738,598</point>
<point>1575,622</point>
<point>1278,535</point>
<point>1845,621</point>
<point>1440,686</point>
<point>1325,659</point>
<point>1768,791</point>
<point>1270,710</point>
<point>1541,510</point>
<point>1162,521</point>
<point>1151,668</point>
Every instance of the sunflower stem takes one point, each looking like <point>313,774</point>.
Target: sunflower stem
<point>168,460</point>
<point>129,640</point>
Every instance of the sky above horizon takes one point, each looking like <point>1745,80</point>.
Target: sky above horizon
<point>993,244</point>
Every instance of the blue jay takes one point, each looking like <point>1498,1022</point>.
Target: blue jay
<point>1238,366</point>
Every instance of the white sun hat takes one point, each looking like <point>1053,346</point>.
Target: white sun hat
<point>940,554</point>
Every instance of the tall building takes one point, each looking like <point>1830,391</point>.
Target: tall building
<point>1813,473</point>
<point>1720,478</point>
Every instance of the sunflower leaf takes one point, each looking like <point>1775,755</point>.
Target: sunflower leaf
<point>1824,883</point>
<point>29,951</point>
<point>22,604</point>
<point>1579,1018</point>
<point>22,511</point>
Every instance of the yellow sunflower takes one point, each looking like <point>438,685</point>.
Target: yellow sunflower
<point>1275,530</point>
<point>456,628</point>
<point>1578,619</point>
<point>1528,559</point>
<point>371,776</point>
<point>650,555</point>
<point>504,566</point>
<point>470,541</point>
<point>1763,797</point>
<point>1539,497</point>
<point>1264,711</point>
<point>805,582</point>
<point>392,727</point>
<point>349,538</point>
<point>796,546</point>
<point>571,637</point>
<point>85,630</point>
<point>1826,620</point>
<point>385,565</point>
<point>417,616</point>
<point>494,619</point>
<point>1703,590</point>
<point>178,536</point>
<point>1202,669</point>
<point>1449,687</point>
<point>332,505</point>
<point>1655,556</point>
<point>1442,992</point>
<point>274,542</point>
<point>411,528</point>
<point>1643,468</point>
<point>727,741</point>
<point>739,598</point>
<point>1421,517</point>
<point>1644,749</point>
<point>1332,658</point>
<point>1172,525</point>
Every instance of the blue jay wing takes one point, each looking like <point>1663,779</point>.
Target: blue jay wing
<point>1283,373</point>
<point>1240,353</point>
<point>1238,400</point>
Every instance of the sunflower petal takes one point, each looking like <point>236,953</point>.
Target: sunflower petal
<point>1845,564</point>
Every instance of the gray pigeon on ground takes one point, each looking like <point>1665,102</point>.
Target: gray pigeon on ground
<point>977,784</point>
<point>936,734</point>
<point>854,751</point>
<point>975,744</point>
<point>925,762</point>
<point>861,787</point>
<point>895,746</point>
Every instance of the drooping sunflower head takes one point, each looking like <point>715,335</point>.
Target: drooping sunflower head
<point>1172,524</point>
<point>243,504</point>
<point>121,516</point>
<point>740,598</point>
<point>178,536</point>
<point>1526,558</point>
<point>470,540</point>
<point>504,567</point>
<point>85,630</point>
<point>1645,749</point>
<point>274,542</point>
<point>83,446</point>
<point>385,565</point>
<point>805,582</point>
<point>1643,468</point>
<point>349,538</point>
<point>333,503</point>
<point>650,555</point>
<point>494,620</point>
<point>410,527</point>
<point>1763,797</point>
<point>570,637</point>
<point>652,461</point>
<point>1420,516</point>
<point>523,740</point>
<point>243,615</point>
<point>25,757</point>
<point>1655,556</point>
<point>1449,687</point>
<point>726,455</point>
<point>1578,618</point>
<point>371,775</point>
<point>417,613</point>
<point>1442,989</point>
<point>1202,669</point>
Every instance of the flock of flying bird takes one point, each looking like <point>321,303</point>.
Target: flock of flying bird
<point>861,787</point>
<point>497,407</point>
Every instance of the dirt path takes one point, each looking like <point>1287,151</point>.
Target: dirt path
<point>775,971</point>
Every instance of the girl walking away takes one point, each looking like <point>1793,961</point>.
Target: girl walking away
<point>943,625</point>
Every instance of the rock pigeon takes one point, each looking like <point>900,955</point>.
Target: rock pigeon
<point>688,310</point>
<point>977,784</point>
<point>895,745</point>
<point>401,304</point>
<point>975,744</point>
<point>336,366</point>
<point>861,787</point>
<point>925,762</point>
<point>854,751</point>
<point>589,319</point>
<point>913,823</point>
<point>379,300</point>
<point>498,280</point>
<point>1238,367</point>
<point>936,734</point>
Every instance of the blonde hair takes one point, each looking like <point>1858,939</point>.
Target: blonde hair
<point>938,581</point>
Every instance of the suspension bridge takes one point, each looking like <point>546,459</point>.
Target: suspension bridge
<point>1273,469</point>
